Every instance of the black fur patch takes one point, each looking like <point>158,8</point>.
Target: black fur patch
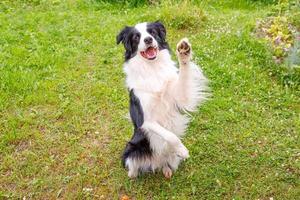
<point>139,146</point>
<point>136,110</point>
<point>130,37</point>
<point>158,31</point>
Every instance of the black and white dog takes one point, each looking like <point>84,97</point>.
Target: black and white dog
<point>160,97</point>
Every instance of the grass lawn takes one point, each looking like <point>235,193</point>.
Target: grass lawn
<point>63,106</point>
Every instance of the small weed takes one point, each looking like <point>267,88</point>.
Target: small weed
<point>277,32</point>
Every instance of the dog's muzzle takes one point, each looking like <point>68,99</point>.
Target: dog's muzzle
<point>150,53</point>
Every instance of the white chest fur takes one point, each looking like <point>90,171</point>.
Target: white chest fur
<point>150,76</point>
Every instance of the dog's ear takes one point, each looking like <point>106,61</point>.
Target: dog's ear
<point>123,34</point>
<point>161,29</point>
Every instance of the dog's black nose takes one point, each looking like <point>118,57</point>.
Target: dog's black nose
<point>148,40</point>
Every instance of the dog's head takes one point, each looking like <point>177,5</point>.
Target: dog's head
<point>144,39</point>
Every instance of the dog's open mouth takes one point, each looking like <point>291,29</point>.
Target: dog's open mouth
<point>150,53</point>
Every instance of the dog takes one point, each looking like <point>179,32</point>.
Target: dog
<point>161,96</point>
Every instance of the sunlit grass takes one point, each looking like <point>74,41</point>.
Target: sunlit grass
<point>63,105</point>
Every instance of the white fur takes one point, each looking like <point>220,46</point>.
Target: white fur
<point>162,89</point>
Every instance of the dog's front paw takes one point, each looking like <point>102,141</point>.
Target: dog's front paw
<point>133,174</point>
<point>184,50</point>
<point>182,152</point>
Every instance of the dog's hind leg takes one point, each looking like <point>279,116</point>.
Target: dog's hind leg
<point>133,168</point>
<point>167,171</point>
<point>174,161</point>
<point>172,164</point>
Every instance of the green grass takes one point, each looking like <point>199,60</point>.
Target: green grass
<point>63,106</point>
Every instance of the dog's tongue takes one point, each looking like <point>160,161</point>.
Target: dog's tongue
<point>151,52</point>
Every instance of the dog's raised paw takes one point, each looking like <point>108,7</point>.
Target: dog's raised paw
<point>183,46</point>
<point>184,50</point>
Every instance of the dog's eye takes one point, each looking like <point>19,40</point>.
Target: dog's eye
<point>136,37</point>
<point>152,31</point>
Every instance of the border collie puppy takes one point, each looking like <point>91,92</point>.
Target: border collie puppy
<point>161,95</point>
